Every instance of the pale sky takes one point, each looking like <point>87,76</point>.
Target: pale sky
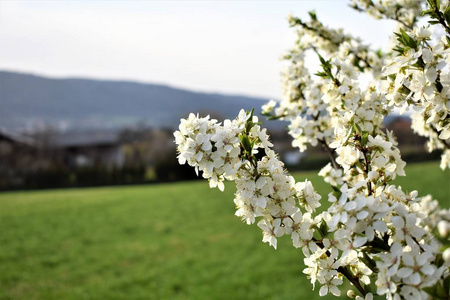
<point>230,47</point>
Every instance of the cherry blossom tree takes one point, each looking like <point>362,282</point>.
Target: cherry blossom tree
<point>382,240</point>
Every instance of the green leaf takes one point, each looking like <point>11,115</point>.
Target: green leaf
<point>245,142</point>
<point>364,138</point>
<point>430,291</point>
<point>399,49</point>
<point>404,90</point>
<point>250,124</point>
<point>440,291</point>
<point>447,283</point>
<point>439,261</point>
<point>251,114</point>
<point>447,15</point>
<point>426,12</point>
<point>431,3</point>
<point>323,229</point>
<point>321,74</point>
<point>322,60</point>
<point>357,128</point>
<point>407,40</point>
<point>379,53</point>
<point>336,192</point>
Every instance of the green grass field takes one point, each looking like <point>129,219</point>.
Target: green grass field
<point>168,241</point>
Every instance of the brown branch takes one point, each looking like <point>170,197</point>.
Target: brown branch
<point>367,169</point>
<point>326,147</point>
<point>330,153</point>
<point>441,19</point>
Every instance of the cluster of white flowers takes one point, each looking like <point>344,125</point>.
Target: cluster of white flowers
<point>303,104</point>
<point>263,188</point>
<point>404,11</point>
<point>419,77</point>
<point>385,232</point>
<point>383,240</point>
<point>211,148</point>
<point>370,223</point>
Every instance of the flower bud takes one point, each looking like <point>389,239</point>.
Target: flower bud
<point>443,228</point>
<point>351,294</point>
<point>446,255</point>
<point>373,175</point>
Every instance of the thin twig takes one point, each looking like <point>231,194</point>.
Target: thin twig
<point>441,20</point>
<point>367,169</point>
<point>330,153</point>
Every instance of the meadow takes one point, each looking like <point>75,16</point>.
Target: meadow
<point>166,241</point>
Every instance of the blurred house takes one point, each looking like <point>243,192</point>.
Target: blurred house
<point>292,158</point>
<point>406,138</point>
<point>15,138</point>
<point>73,149</point>
<point>82,149</point>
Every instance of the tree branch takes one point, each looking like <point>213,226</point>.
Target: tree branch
<point>330,153</point>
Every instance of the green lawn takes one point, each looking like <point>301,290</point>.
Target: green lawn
<point>168,241</point>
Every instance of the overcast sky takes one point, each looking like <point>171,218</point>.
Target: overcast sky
<point>230,47</point>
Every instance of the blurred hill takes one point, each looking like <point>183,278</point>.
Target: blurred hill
<point>31,101</point>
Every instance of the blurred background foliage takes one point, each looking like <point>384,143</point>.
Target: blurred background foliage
<point>50,159</point>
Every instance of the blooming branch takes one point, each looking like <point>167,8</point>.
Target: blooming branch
<point>381,239</point>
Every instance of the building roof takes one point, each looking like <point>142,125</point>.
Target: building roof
<point>14,136</point>
<point>65,139</point>
<point>84,139</point>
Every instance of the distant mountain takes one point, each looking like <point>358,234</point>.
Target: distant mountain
<point>30,101</point>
